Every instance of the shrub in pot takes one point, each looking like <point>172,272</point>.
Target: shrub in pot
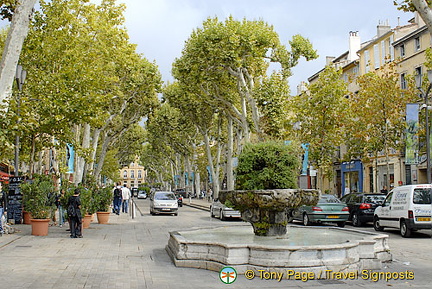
<point>38,200</point>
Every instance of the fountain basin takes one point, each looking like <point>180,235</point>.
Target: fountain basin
<point>311,249</point>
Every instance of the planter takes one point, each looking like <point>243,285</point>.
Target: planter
<point>86,221</point>
<point>40,227</point>
<point>103,217</point>
<point>26,218</point>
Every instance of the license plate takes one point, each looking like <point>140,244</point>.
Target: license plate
<point>166,209</point>
<point>332,217</point>
<point>427,219</point>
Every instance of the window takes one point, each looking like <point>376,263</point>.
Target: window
<point>422,196</point>
<point>388,199</point>
<point>366,59</point>
<point>125,174</point>
<point>418,71</point>
<point>139,174</point>
<point>383,54</point>
<point>132,173</point>
<point>376,56</point>
<point>391,49</point>
<point>417,44</point>
<point>402,50</point>
<point>403,81</point>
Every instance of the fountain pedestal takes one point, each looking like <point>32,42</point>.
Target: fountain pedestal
<point>266,210</point>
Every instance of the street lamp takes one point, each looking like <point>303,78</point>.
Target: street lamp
<point>20,77</point>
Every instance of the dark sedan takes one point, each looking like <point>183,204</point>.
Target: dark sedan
<point>362,206</point>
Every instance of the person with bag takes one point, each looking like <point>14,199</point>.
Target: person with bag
<point>74,213</point>
<point>117,191</point>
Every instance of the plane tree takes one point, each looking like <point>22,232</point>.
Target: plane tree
<point>321,114</point>
<point>378,114</point>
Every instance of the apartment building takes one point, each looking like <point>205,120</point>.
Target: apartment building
<point>133,175</point>
<point>410,52</point>
<point>405,45</point>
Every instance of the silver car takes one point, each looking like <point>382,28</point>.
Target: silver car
<point>219,210</point>
<point>163,203</point>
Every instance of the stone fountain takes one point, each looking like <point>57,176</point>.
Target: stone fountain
<point>266,210</point>
<point>269,246</point>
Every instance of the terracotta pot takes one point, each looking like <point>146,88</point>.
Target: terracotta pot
<point>40,227</point>
<point>86,221</point>
<point>103,217</point>
<point>26,217</point>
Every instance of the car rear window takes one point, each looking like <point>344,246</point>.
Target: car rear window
<point>422,196</point>
<point>376,199</point>
<point>165,196</point>
<point>328,199</point>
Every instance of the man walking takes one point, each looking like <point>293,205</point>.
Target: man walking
<point>117,191</point>
<point>126,195</point>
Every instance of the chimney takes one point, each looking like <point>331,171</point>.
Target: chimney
<point>329,60</point>
<point>383,28</point>
<point>354,45</point>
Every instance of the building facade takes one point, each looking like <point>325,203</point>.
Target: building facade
<point>133,176</point>
<point>405,46</point>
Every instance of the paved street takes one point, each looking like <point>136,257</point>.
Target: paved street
<point>130,253</point>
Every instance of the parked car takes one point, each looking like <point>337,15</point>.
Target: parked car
<point>142,195</point>
<point>134,192</point>
<point>179,199</point>
<point>328,209</point>
<point>362,206</point>
<point>219,210</point>
<point>162,202</point>
<point>407,208</point>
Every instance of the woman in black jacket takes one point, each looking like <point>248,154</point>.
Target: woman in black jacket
<point>74,213</point>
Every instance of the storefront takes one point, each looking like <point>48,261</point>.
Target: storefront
<point>352,177</point>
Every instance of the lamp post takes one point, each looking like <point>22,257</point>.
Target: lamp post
<point>20,77</point>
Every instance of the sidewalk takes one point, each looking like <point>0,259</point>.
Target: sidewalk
<point>130,253</point>
<point>202,204</point>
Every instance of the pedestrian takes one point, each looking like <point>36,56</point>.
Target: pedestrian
<point>74,212</point>
<point>60,208</point>
<point>384,190</point>
<point>117,191</point>
<point>126,195</point>
<point>2,208</point>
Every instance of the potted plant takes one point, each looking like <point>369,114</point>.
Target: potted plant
<point>87,206</point>
<point>102,198</point>
<point>37,200</point>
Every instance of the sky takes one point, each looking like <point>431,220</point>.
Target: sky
<point>161,27</point>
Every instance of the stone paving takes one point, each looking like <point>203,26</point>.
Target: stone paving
<point>130,253</point>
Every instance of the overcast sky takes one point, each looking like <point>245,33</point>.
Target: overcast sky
<point>160,27</point>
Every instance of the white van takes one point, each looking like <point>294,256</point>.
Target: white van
<point>407,208</point>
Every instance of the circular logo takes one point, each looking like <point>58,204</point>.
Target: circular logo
<point>228,275</point>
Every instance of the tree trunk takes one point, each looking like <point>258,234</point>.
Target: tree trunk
<point>425,12</point>
<point>95,139</point>
<point>17,33</point>
<point>229,157</point>
<point>80,159</point>
<point>215,178</point>
<point>104,149</point>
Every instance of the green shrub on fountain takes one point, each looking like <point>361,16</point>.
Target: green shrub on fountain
<point>266,185</point>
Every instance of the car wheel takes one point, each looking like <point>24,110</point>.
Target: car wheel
<point>306,220</point>
<point>211,213</point>
<point>222,216</point>
<point>175,214</point>
<point>356,220</point>
<point>341,224</point>
<point>376,225</point>
<point>404,230</point>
